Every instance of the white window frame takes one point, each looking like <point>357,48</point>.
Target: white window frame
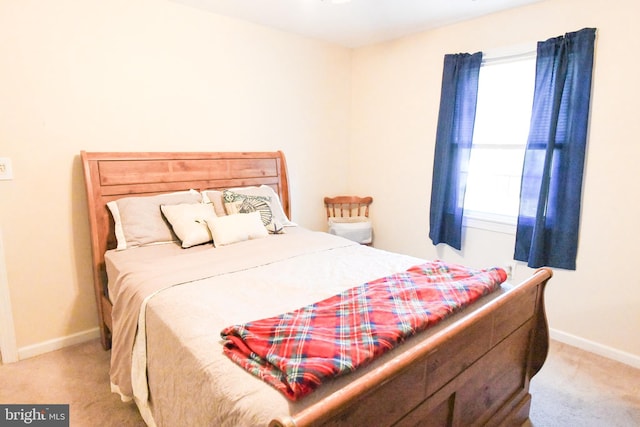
<point>491,221</point>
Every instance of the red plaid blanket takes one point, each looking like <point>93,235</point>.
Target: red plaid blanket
<point>296,351</point>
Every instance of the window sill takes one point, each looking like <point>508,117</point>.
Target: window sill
<point>489,222</point>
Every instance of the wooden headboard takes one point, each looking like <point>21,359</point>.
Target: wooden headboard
<point>110,176</point>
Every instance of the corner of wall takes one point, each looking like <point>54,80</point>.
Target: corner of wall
<point>8,348</point>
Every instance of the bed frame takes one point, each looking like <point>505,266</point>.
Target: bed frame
<point>474,371</point>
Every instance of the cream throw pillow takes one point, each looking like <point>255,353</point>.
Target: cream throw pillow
<point>189,222</point>
<point>236,228</point>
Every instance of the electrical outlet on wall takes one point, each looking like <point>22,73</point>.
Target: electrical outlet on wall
<point>6,172</point>
<point>510,268</point>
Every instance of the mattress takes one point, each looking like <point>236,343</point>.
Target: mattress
<point>170,305</point>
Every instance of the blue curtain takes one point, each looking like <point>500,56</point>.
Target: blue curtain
<point>551,192</point>
<point>453,146</point>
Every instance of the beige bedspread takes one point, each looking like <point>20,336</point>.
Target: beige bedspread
<point>181,375</point>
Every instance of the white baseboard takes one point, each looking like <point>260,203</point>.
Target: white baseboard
<point>57,343</point>
<point>596,348</point>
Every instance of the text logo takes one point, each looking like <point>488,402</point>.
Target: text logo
<point>34,415</point>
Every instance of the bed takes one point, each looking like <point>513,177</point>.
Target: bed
<point>473,368</point>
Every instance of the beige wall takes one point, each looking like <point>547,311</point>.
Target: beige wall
<point>151,75</point>
<point>396,90</point>
<point>144,75</point>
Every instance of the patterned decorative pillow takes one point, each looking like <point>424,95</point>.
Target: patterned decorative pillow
<point>275,228</point>
<point>274,203</point>
<point>235,203</point>
<point>241,203</point>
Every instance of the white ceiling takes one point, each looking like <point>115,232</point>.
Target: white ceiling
<point>357,22</point>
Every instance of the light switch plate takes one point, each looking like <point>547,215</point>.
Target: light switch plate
<point>6,171</point>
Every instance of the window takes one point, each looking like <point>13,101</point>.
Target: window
<point>503,113</point>
<point>552,168</point>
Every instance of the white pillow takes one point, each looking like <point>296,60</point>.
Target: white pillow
<point>356,228</point>
<point>138,220</point>
<point>189,222</point>
<point>236,228</point>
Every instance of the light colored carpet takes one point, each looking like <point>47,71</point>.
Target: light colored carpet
<point>577,388</point>
<point>78,376</point>
<point>574,388</point>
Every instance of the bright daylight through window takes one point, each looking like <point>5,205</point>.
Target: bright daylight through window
<point>505,97</point>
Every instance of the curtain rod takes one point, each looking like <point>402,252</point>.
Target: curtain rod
<point>497,59</point>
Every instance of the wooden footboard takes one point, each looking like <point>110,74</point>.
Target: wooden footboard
<point>475,371</point>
